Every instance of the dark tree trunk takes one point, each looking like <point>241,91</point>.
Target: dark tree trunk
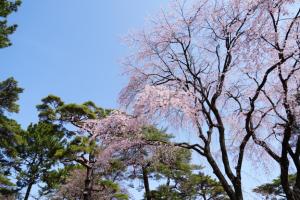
<point>228,189</point>
<point>87,193</point>
<point>146,183</point>
<point>28,190</point>
<point>296,189</point>
<point>238,190</point>
<point>284,162</point>
<point>285,183</point>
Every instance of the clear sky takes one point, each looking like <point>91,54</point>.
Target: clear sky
<point>72,48</point>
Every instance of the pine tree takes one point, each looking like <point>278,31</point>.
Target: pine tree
<point>6,8</point>
<point>36,154</point>
<point>9,130</point>
<point>70,117</point>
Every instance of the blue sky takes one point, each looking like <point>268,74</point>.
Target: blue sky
<point>72,48</point>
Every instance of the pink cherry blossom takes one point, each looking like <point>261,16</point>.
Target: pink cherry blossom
<point>226,70</point>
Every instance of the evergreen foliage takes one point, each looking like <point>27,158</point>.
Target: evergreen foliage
<point>6,8</point>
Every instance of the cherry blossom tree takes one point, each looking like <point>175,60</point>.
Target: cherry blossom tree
<point>102,188</point>
<point>226,70</point>
<point>137,145</point>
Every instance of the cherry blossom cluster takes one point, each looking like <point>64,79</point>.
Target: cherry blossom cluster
<point>174,104</point>
<point>118,125</point>
<point>121,137</point>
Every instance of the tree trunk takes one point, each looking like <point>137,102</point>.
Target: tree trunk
<point>228,189</point>
<point>238,190</point>
<point>28,190</point>
<point>285,183</point>
<point>87,193</point>
<point>146,183</point>
<point>284,165</point>
<point>296,189</point>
